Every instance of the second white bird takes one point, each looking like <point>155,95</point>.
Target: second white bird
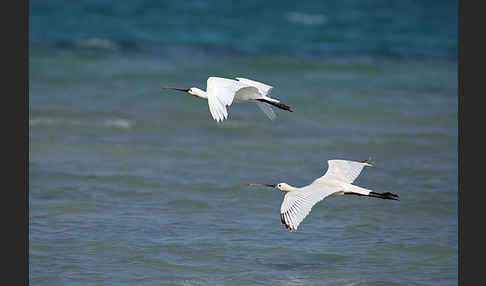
<point>222,92</point>
<point>338,180</point>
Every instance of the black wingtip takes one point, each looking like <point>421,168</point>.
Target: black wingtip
<point>367,161</point>
<point>385,196</point>
<point>279,105</point>
<point>284,107</point>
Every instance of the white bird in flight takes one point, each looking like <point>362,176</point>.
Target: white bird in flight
<point>338,180</point>
<point>222,92</point>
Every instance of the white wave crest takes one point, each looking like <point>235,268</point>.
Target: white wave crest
<point>120,123</point>
<point>45,121</point>
<point>97,43</point>
<point>306,19</point>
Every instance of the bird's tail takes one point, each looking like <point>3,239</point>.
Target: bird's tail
<point>355,190</point>
<point>276,104</point>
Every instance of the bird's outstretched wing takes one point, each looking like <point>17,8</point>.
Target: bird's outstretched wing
<point>221,92</point>
<point>267,110</point>
<point>343,170</point>
<point>298,204</point>
<point>264,89</point>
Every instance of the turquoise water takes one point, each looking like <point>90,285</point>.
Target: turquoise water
<point>350,26</point>
<point>133,185</point>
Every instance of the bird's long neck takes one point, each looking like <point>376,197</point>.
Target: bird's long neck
<point>200,93</point>
<point>290,188</point>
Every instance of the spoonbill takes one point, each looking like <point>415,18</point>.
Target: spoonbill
<point>222,92</point>
<point>338,179</point>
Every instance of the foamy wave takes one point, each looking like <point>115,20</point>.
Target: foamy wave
<point>306,19</point>
<point>52,121</point>
<point>97,43</point>
<point>41,121</point>
<point>45,121</point>
<point>120,123</point>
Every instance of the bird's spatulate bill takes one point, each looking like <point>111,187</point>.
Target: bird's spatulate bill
<point>265,185</point>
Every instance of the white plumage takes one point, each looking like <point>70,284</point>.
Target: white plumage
<point>264,90</point>
<point>346,171</point>
<point>222,92</point>
<point>338,179</point>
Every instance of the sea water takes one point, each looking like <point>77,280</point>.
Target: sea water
<point>131,184</point>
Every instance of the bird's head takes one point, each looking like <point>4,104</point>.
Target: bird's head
<point>281,186</point>
<point>194,91</point>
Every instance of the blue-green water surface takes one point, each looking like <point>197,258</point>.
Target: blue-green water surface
<point>130,184</point>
